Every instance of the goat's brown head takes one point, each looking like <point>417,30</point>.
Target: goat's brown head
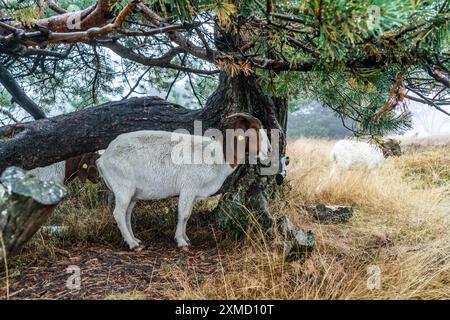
<point>242,131</point>
<point>83,167</point>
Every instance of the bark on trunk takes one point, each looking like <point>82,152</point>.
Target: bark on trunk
<point>25,204</point>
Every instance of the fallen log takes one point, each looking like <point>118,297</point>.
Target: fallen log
<point>46,141</point>
<point>25,204</point>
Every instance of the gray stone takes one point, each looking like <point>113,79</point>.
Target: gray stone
<point>330,214</point>
<point>14,179</point>
<point>25,204</point>
<point>296,243</point>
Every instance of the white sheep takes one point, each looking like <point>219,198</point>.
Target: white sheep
<point>141,166</point>
<point>349,154</point>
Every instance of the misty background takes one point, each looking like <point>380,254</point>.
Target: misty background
<point>313,120</point>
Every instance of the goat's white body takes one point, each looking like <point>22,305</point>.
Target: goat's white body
<point>54,172</point>
<point>139,166</point>
<point>349,154</point>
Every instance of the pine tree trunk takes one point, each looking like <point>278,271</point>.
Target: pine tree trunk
<point>246,194</point>
<point>245,191</point>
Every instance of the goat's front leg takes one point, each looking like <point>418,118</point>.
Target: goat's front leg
<point>185,204</point>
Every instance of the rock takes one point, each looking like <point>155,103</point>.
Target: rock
<point>54,230</point>
<point>44,192</point>
<point>25,204</point>
<point>296,243</point>
<point>330,214</point>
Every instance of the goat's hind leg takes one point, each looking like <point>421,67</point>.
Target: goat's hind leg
<point>185,204</point>
<point>130,229</point>
<point>120,214</point>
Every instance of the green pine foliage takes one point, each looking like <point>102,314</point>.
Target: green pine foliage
<point>358,50</point>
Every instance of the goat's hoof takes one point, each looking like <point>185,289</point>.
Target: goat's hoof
<point>138,248</point>
<point>184,248</point>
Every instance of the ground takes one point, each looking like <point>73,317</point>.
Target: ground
<point>396,246</point>
<point>108,273</point>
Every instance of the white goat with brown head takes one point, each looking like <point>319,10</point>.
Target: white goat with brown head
<point>145,165</point>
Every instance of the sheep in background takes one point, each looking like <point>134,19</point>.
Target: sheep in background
<point>349,154</point>
<point>139,166</point>
<point>63,172</point>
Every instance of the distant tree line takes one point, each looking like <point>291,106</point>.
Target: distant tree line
<point>314,120</point>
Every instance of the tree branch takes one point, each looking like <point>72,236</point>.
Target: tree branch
<point>55,7</point>
<point>137,83</point>
<point>155,31</point>
<point>193,90</point>
<point>425,100</point>
<point>163,61</point>
<point>47,36</point>
<point>8,114</point>
<point>174,36</point>
<point>19,96</point>
<point>93,16</point>
<point>176,77</point>
<point>438,75</point>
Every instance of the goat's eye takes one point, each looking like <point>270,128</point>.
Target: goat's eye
<point>84,166</point>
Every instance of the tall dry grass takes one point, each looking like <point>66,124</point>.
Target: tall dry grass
<point>399,229</point>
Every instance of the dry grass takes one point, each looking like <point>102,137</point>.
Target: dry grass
<point>439,140</point>
<point>400,227</point>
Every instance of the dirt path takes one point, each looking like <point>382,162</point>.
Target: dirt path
<point>105,271</point>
